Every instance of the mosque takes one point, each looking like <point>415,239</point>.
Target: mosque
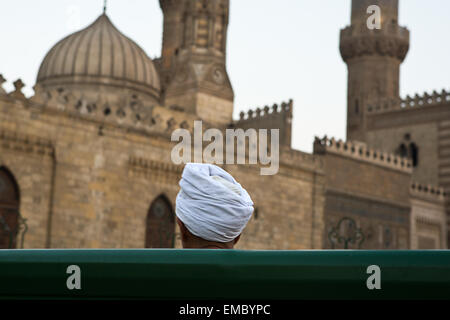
<point>85,162</point>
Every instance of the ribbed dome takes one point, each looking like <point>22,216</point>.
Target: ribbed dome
<point>99,54</point>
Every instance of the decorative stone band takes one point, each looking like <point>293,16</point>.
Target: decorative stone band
<point>428,191</point>
<point>156,170</point>
<point>409,102</point>
<point>361,152</point>
<point>205,6</point>
<point>390,40</point>
<point>62,81</point>
<point>24,143</point>
<point>133,113</point>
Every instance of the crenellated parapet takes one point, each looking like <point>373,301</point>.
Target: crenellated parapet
<point>427,191</point>
<point>285,108</point>
<point>279,116</point>
<point>2,81</point>
<point>408,103</point>
<point>16,93</point>
<point>130,111</point>
<point>360,151</point>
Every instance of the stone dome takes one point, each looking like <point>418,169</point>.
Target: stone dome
<point>99,55</point>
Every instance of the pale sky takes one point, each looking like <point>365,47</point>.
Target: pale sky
<point>277,50</point>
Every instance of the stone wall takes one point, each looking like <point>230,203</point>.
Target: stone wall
<point>423,120</point>
<point>31,162</point>
<point>275,117</point>
<point>289,205</point>
<point>94,183</point>
<point>428,217</point>
<point>88,182</point>
<point>369,187</point>
<point>425,136</point>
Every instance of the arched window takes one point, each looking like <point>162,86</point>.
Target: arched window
<point>414,154</point>
<point>9,210</point>
<point>403,151</point>
<point>160,232</point>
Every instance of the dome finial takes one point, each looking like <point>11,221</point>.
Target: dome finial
<point>105,3</point>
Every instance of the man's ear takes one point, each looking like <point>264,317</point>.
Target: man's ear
<point>183,229</point>
<point>237,239</point>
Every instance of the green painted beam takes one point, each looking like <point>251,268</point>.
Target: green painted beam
<point>223,274</point>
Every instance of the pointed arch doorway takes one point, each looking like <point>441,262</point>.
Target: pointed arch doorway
<point>160,224</point>
<point>9,210</point>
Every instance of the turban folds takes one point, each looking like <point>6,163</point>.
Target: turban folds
<point>211,204</point>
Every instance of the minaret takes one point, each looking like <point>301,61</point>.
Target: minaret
<point>192,66</point>
<point>373,59</point>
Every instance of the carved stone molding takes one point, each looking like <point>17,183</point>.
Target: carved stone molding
<point>153,170</point>
<point>428,191</point>
<point>24,143</point>
<point>392,43</point>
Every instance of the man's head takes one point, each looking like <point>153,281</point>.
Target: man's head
<point>191,241</point>
<point>212,208</point>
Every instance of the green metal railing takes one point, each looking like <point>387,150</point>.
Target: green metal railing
<point>223,274</point>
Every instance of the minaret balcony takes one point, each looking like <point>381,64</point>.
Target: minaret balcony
<point>391,40</point>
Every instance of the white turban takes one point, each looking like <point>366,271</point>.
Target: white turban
<point>211,204</point>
